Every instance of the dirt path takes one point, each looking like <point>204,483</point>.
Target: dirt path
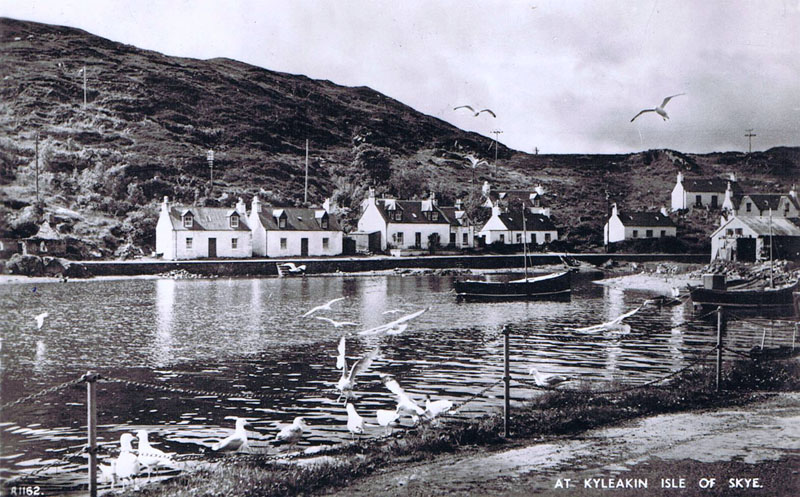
<point>760,440</point>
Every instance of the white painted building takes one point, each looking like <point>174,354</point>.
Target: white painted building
<point>690,193</point>
<point>202,232</point>
<point>291,231</point>
<point>635,225</point>
<point>533,200</point>
<point>747,238</point>
<point>508,228</point>
<point>404,224</point>
<point>462,231</point>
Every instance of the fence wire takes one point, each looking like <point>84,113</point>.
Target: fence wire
<point>46,391</point>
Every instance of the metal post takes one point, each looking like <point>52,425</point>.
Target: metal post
<point>763,336</point>
<point>507,387</point>
<point>719,347</point>
<point>210,159</point>
<point>794,334</point>
<point>91,426</point>
<point>305,191</point>
<point>37,169</point>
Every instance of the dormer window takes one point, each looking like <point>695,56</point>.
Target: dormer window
<point>234,220</point>
<point>323,222</point>
<point>434,216</point>
<point>188,220</point>
<point>398,216</point>
<point>281,222</point>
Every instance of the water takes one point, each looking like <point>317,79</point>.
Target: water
<point>245,338</point>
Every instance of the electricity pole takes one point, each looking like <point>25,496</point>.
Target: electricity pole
<point>305,192</point>
<point>750,136</point>
<point>210,159</point>
<point>496,133</point>
<point>36,166</point>
<point>84,86</point>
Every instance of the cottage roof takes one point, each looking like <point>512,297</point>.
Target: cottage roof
<point>456,216</point>
<point>206,219</point>
<point>533,222</point>
<point>710,185</point>
<point>297,219</point>
<point>528,198</point>
<point>781,226</point>
<point>645,219</point>
<point>411,212</point>
<point>46,232</point>
<point>766,201</point>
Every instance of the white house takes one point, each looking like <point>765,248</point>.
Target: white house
<point>634,225</point>
<point>748,238</point>
<point>404,224</point>
<point>290,231</point>
<point>200,232</point>
<point>462,232</point>
<point>508,228</point>
<point>701,192</point>
<point>760,204</point>
<point>533,200</point>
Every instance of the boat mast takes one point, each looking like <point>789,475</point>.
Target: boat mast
<point>524,242</point>
<point>771,281</point>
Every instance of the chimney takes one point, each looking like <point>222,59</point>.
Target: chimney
<point>664,212</point>
<point>165,205</point>
<point>496,210</point>
<point>614,211</point>
<point>539,189</point>
<point>793,193</point>
<point>255,205</point>
<point>486,189</point>
<point>241,208</point>
<point>458,204</point>
<point>433,199</point>
<point>732,177</point>
<point>680,177</point>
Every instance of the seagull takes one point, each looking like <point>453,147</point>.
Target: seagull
<point>433,409</point>
<point>290,266</point>
<point>660,109</point>
<point>615,324</point>
<point>477,113</point>
<point>237,441</point>
<point>126,466</point>
<point>384,328</point>
<point>108,472</point>
<point>392,311</point>
<point>405,404</point>
<point>293,432</point>
<point>475,162</point>
<point>397,329</point>
<point>40,319</point>
<point>341,359</point>
<point>325,307</point>
<point>347,382</point>
<point>149,456</point>
<point>387,418</point>
<point>355,423</point>
<point>336,324</point>
<point>546,379</point>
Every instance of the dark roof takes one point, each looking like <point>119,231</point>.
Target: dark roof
<point>455,215</point>
<point>515,197</point>
<point>411,212</point>
<point>533,222</point>
<point>206,218</point>
<point>645,219</point>
<point>46,232</point>
<point>766,201</point>
<point>712,185</point>
<point>297,219</point>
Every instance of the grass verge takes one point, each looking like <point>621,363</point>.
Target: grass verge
<point>550,414</point>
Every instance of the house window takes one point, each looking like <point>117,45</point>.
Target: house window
<point>418,239</point>
<point>234,221</point>
<point>648,234</point>
<point>399,238</point>
<point>283,243</point>
<point>729,232</point>
<point>325,242</point>
<point>502,238</point>
<point>533,237</point>
<point>663,233</point>
<point>749,207</point>
<point>698,200</point>
<point>466,239</point>
<point>188,244</point>
<point>434,216</point>
<point>398,216</point>
<point>739,231</point>
<point>188,221</point>
<point>519,237</point>
<point>234,243</point>
<point>452,238</point>
<point>713,201</point>
<point>547,238</point>
<point>324,223</point>
<point>282,223</point>
<point>786,210</point>
<point>636,233</point>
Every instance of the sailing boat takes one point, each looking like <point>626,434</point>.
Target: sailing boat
<point>549,286</point>
<point>746,296</point>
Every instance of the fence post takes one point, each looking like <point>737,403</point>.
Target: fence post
<point>507,387</point>
<point>719,346</point>
<point>91,426</point>
<point>794,334</point>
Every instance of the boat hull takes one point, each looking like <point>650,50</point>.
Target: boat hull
<point>754,299</point>
<point>553,286</point>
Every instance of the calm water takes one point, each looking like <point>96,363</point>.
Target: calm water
<point>246,337</point>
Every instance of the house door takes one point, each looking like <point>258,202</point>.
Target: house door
<point>212,247</point>
<point>304,246</point>
<point>746,249</point>
<point>418,239</point>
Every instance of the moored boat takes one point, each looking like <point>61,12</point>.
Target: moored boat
<point>553,285</point>
<point>746,297</point>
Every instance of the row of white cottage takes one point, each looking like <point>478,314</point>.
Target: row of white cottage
<point>190,232</point>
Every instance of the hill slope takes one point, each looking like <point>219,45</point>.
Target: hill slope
<point>150,118</point>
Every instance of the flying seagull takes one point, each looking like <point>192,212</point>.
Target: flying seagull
<point>437,407</point>
<point>547,379</point>
<point>615,324</point>
<point>337,324</point>
<point>325,307</point>
<point>394,325</point>
<point>387,418</point>
<point>475,162</point>
<point>405,404</point>
<point>477,112</point>
<point>660,109</point>
<point>40,319</point>
<point>347,382</point>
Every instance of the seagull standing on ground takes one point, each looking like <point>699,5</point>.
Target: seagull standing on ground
<point>660,109</point>
<point>127,464</point>
<point>405,404</point>
<point>435,408</point>
<point>293,432</point>
<point>477,112</point>
<point>347,382</point>
<point>336,324</point>
<point>547,380</point>
<point>355,423</point>
<point>40,320</point>
<point>323,307</point>
<point>387,418</point>
<point>149,456</point>
<point>235,442</point>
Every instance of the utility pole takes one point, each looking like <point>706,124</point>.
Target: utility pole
<point>750,136</point>
<point>496,133</point>
<point>36,167</point>
<point>608,220</point>
<point>210,159</point>
<point>305,194</point>
<point>84,86</point>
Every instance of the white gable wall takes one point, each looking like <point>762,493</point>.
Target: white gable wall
<point>165,237</point>
<point>372,220</point>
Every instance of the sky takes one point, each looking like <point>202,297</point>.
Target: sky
<point>562,76</point>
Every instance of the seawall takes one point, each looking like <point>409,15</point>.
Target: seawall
<point>267,267</point>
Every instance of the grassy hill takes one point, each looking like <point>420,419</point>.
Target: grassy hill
<point>150,118</point>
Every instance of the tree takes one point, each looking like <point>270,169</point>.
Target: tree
<point>375,161</point>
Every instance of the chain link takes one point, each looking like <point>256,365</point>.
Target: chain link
<point>57,462</point>
<point>187,391</point>
<point>46,391</point>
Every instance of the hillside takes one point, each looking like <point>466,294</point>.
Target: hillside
<point>150,118</point>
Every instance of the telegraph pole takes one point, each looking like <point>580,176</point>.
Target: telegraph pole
<point>750,136</point>
<point>210,159</point>
<point>36,167</point>
<point>496,133</point>
<point>305,192</point>
<point>84,86</point>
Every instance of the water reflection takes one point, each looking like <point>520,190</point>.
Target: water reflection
<point>162,349</point>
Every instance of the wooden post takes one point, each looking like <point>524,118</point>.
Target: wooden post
<point>305,189</point>
<point>36,167</point>
<point>91,426</point>
<point>794,334</point>
<point>507,387</point>
<point>763,336</point>
<point>719,347</point>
